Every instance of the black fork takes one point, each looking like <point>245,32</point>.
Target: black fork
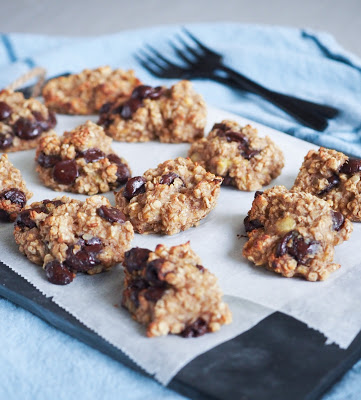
<point>199,61</point>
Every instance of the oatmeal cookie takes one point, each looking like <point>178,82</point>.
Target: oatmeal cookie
<point>13,191</point>
<point>294,233</point>
<point>81,161</point>
<point>335,178</point>
<point>172,115</point>
<point>22,121</point>
<point>67,236</point>
<point>169,291</point>
<point>86,92</point>
<point>170,198</point>
<point>236,153</point>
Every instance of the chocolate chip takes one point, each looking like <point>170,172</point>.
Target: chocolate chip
<point>136,259</point>
<point>65,172</point>
<point>93,245</point>
<point>129,108</point>
<point>26,129</point>
<point>114,159</point>
<point>337,220</point>
<point>147,92</point>
<point>333,181</point>
<point>105,108</point>
<point>5,111</point>
<point>297,247</point>
<point>200,267</point>
<point>4,216</point>
<point>247,153</point>
<point>123,174</point>
<point>221,127</point>
<point>111,214</point>
<point>169,178</point>
<point>153,272</point>
<point>235,137</point>
<point>154,293</point>
<point>228,181</point>
<point>16,196</point>
<point>81,261</point>
<point>58,273</point>
<point>351,166</point>
<point>197,328</point>
<point>47,161</point>
<point>45,124</point>
<point>134,187</point>
<point>258,193</point>
<point>23,220</point>
<point>49,205</point>
<point>91,155</point>
<point>5,141</point>
<point>252,224</point>
<point>135,287</point>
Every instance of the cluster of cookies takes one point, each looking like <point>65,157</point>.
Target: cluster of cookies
<point>290,232</point>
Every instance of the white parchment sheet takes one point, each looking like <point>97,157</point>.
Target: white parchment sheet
<point>331,307</point>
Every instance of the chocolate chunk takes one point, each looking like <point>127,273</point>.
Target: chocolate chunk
<point>228,181</point>
<point>16,196</point>
<point>221,127</point>
<point>200,267</point>
<point>351,166</point>
<point>258,193</point>
<point>58,273</point>
<point>26,129</point>
<point>49,205</point>
<point>147,92</point>
<point>247,153</point>
<point>134,187</point>
<point>251,224</point>
<point>65,172</point>
<point>333,181</point>
<point>105,108</point>
<point>153,272</point>
<point>4,216</point>
<point>337,220</point>
<point>81,261</point>
<point>136,259</point>
<point>114,159</point>
<point>5,141</point>
<point>111,214</point>
<point>24,221</point>
<point>154,293</point>
<point>197,328</point>
<point>48,161</point>
<point>297,247</point>
<point>45,124</point>
<point>91,155</point>
<point>129,108</point>
<point>236,137</point>
<point>123,174</point>
<point>93,245</point>
<point>5,111</point>
<point>135,287</point>
<point>168,179</point>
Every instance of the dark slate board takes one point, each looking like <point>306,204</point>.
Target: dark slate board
<point>280,358</point>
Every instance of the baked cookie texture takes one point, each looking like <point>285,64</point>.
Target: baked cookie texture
<point>68,236</point>
<point>22,121</point>
<point>169,291</point>
<point>170,198</point>
<point>236,153</point>
<point>335,178</point>
<point>172,115</point>
<point>294,233</point>
<point>81,161</point>
<point>86,92</point>
<point>13,191</point>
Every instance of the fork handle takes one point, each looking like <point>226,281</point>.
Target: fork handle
<point>308,113</point>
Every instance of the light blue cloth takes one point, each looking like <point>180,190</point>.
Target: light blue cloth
<point>39,362</point>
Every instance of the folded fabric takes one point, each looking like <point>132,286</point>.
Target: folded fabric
<point>36,360</point>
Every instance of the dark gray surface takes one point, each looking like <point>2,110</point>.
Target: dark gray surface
<point>280,358</point>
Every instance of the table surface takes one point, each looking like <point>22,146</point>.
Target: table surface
<point>89,17</point>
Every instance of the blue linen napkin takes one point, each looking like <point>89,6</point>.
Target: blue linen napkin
<point>36,360</point>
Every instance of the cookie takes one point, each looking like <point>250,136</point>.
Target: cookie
<point>169,291</point>
<point>22,121</point>
<point>86,92</point>
<point>236,153</point>
<point>67,236</point>
<point>333,177</point>
<point>294,233</point>
<point>81,161</point>
<point>172,115</point>
<point>170,198</point>
<point>13,191</point>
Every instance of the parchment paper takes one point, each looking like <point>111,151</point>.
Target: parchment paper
<point>252,292</point>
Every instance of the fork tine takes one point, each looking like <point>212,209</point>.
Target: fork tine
<point>147,66</point>
<point>181,53</point>
<point>150,59</point>
<point>165,60</point>
<point>200,44</point>
<point>192,50</point>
